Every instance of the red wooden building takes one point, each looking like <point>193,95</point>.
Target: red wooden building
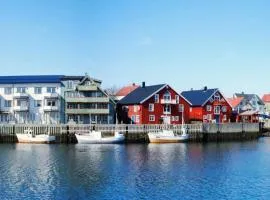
<point>208,106</point>
<point>154,104</point>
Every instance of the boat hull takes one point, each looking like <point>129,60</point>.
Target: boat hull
<point>167,140</point>
<point>86,139</point>
<point>38,139</point>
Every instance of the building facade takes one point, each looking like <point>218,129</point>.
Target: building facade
<point>30,99</point>
<point>54,99</point>
<point>208,106</point>
<point>86,102</point>
<point>157,104</point>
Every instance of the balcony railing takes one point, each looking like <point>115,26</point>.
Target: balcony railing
<point>50,108</point>
<point>87,111</point>
<point>20,95</point>
<point>168,101</point>
<point>87,99</point>
<point>87,87</point>
<point>21,108</point>
<point>51,95</point>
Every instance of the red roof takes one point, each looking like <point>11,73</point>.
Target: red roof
<point>127,89</point>
<point>235,101</point>
<point>266,98</point>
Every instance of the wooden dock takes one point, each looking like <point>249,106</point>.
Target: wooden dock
<point>135,133</point>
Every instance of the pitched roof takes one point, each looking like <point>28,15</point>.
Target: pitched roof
<point>198,97</point>
<point>140,94</point>
<point>127,89</point>
<point>266,98</point>
<point>31,79</point>
<point>248,97</point>
<point>235,101</point>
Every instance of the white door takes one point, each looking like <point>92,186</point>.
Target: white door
<point>167,120</point>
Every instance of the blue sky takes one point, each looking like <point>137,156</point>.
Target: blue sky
<point>188,44</point>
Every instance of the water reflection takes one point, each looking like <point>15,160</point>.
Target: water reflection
<point>136,171</point>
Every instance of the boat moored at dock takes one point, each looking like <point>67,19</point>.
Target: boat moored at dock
<point>168,136</point>
<point>95,137</point>
<point>29,137</point>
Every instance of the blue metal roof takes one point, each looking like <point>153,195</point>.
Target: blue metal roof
<point>140,94</point>
<point>31,79</point>
<point>198,97</point>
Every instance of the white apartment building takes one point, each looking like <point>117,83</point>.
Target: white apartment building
<point>30,99</point>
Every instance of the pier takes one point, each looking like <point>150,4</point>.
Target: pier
<point>136,133</point>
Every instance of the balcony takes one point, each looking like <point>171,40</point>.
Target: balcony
<point>51,95</point>
<point>5,109</point>
<point>20,95</point>
<point>168,101</point>
<point>21,108</point>
<point>87,88</point>
<point>51,108</point>
<point>166,112</point>
<point>88,99</point>
<point>87,111</point>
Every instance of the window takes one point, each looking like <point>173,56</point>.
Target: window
<point>51,89</point>
<point>156,98</point>
<point>8,103</point>
<point>205,117</point>
<point>177,98</point>
<point>151,118</point>
<point>224,109</point>
<point>151,107</point>
<point>21,102</point>
<point>167,96</point>
<point>217,97</point>
<point>224,117</point>
<point>133,119</point>
<point>209,108</point>
<point>181,108</point>
<point>51,103</point>
<point>173,118</point>
<point>137,118</point>
<point>217,110</point>
<point>21,90</point>
<point>176,118</point>
<point>135,108</point>
<point>167,109</point>
<point>70,85</point>
<point>38,90</point>
<point>209,117</point>
<point>8,90</point>
<point>38,103</point>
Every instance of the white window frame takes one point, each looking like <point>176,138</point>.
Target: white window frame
<point>209,117</point>
<point>176,118</point>
<point>224,109</point>
<point>177,99</point>
<point>156,97</point>
<point>8,90</point>
<point>165,110</point>
<point>8,103</point>
<point>204,117</point>
<point>151,107</point>
<point>133,119</point>
<point>36,103</point>
<point>51,90</point>
<point>38,90</point>
<point>173,118</point>
<point>217,97</point>
<point>224,117</point>
<point>181,108</point>
<point>137,118</point>
<point>167,96</point>
<point>217,112</point>
<point>208,108</point>
<point>135,108</point>
<point>152,118</point>
<point>21,90</point>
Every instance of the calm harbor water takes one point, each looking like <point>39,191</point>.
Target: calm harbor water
<point>235,170</point>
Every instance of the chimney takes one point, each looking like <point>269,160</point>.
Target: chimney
<point>143,84</point>
<point>205,88</point>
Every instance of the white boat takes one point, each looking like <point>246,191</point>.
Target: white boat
<point>95,137</point>
<point>168,136</point>
<point>29,137</point>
